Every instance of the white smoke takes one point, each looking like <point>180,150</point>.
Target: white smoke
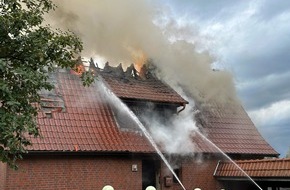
<point>175,138</point>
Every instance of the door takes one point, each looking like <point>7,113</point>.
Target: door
<point>148,173</point>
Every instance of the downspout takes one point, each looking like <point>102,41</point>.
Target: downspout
<point>215,171</point>
<point>184,105</point>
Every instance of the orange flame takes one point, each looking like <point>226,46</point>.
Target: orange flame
<point>79,69</point>
<point>139,58</point>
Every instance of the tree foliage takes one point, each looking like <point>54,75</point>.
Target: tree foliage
<point>29,50</point>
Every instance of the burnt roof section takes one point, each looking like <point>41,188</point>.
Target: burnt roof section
<point>143,86</point>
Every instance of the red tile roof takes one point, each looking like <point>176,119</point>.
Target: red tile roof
<point>86,123</point>
<point>266,168</point>
<point>149,89</point>
<point>230,128</point>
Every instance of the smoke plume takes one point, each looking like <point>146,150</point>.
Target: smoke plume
<point>127,31</point>
<point>119,30</point>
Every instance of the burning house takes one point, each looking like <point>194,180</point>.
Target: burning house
<point>88,142</point>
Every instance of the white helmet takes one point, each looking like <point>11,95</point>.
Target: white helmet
<point>108,187</point>
<point>150,188</point>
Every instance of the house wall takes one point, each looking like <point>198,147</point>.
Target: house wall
<point>3,167</point>
<point>74,172</point>
<point>195,173</point>
<point>94,172</point>
<point>201,174</point>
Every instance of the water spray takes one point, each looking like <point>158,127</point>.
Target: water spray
<point>131,114</point>
<point>224,154</point>
<point>124,107</point>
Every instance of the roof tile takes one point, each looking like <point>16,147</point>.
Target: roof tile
<point>89,122</point>
<point>255,168</point>
<point>230,128</point>
<point>150,89</point>
<point>89,125</point>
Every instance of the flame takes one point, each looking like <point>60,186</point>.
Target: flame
<point>139,58</point>
<point>79,69</point>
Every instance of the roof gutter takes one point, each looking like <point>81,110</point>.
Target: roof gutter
<point>264,179</point>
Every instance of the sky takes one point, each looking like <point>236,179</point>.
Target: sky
<point>251,39</point>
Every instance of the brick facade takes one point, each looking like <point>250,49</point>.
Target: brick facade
<point>94,172</point>
<point>3,167</point>
<point>200,174</point>
<point>195,173</point>
<point>73,172</point>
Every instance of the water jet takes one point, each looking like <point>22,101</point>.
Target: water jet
<point>122,106</point>
<point>225,155</point>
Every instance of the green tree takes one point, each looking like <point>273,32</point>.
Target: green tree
<point>28,52</point>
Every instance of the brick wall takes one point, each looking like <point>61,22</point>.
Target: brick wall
<point>2,174</point>
<point>201,174</point>
<point>75,172</point>
<point>94,172</point>
<point>195,173</point>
